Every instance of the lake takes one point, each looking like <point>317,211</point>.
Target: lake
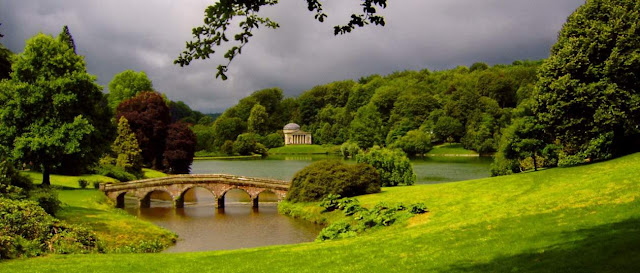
<point>200,226</point>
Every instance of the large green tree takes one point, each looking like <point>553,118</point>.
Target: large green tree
<point>257,122</point>
<point>588,92</point>
<point>52,108</point>
<point>219,16</point>
<point>127,84</point>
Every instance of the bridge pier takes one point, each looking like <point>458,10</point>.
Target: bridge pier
<point>179,203</point>
<point>220,202</point>
<point>254,201</point>
<point>145,202</point>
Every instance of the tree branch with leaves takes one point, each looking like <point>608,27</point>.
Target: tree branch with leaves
<point>218,20</point>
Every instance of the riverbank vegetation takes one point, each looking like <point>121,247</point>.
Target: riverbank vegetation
<point>564,219</point>
<point>305,149</point>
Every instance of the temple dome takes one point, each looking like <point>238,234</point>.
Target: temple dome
<point>291,126</point>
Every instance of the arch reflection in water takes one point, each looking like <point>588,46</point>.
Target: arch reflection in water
<point>200,226</point>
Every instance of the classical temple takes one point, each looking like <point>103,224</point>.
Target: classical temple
<point>293,135</point>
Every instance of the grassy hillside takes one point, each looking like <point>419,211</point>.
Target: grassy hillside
<point>582,219</point>
<point>454,149</point>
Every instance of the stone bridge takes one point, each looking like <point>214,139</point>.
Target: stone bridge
<point>177,185</point>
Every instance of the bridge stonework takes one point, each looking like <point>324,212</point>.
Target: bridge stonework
<point>177,185</point>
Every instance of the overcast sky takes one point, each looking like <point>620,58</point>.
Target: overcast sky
<point>147,35</point>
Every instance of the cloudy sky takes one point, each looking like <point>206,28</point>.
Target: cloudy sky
<point>148,35</point>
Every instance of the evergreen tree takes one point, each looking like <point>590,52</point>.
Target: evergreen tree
<point>126,148</point>
<point>65,37</point>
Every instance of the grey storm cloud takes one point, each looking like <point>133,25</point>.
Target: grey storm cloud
<point>148,35</point>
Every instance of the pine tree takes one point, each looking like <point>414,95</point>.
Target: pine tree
<point>128,153</point>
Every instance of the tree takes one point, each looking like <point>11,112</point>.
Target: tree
<point>66,38</point>
<point>414,142</point>
<point>392,164</point>
<point>205,136</point>
<point>247,144</point>
<point>523,139</point>
<point>148,116</point>
<point>52,108</point>
<point>366,128</point>
<point>180,148</point>
<point>5,62</point>
<point>448,129</point>
<point>258,119</point>
<point>126,148</point>
<point>127,84</point>
<point>588,92</point>
<point>218,18</point>
<point>225,128</point>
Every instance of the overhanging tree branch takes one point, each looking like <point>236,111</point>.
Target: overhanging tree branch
<point>218,17</point>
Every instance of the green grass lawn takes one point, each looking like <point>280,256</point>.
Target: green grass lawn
<point>304,149</point>
<point>581,219</point>
<point>149,173</point>
<point>120,231</point>
<point>67,181</point>
<point>451,149</point>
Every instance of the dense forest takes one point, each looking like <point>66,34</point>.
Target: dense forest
<point>468,105</point>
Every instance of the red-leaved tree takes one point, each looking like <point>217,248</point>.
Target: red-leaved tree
<point>149,118</point>
<point>180,148</point>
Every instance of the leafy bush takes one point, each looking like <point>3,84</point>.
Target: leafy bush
<point>380,215</point>
<point>47,199</point>
<point>27,230</point>
<point>337,230</point>
<point>96,184</point>
<point>116,172</point>
<point>325,177</point>
<point>83,183</point>
<point>393,165</point>
<point>13,184</point>
<point>350,149</point>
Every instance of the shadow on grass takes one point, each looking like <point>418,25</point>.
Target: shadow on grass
<point>606,248</point>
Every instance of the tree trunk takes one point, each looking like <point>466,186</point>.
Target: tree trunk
<point>46,181</point>
<point>535,164</point>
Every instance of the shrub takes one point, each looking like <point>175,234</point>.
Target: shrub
<point>336,230</point>
<point>325,177</point>
<point>83,183</point>
<point>46,198</point>
<point>13,184</point>
<point>414,142</point>
<point>350,149</point>
<point>227,147</point>
<point>116,172</point>
<point>96,184</point>
<point>27,230</point>
<point>393,165</point>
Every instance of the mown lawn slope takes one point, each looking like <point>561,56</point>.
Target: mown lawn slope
<point>582,219</point>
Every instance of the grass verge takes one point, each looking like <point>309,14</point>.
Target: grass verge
<point>581,219</point>
<point>305,149</point>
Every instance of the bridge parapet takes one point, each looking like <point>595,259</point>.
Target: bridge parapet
<point>177,185</point>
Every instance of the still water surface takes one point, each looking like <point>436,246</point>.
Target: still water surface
<point>202,227</point>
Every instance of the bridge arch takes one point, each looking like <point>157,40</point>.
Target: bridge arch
<point>145,196</point>
<point>181,197</point>
<point>120,199</point>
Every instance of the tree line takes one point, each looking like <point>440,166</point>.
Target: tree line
<point>56,119</point>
